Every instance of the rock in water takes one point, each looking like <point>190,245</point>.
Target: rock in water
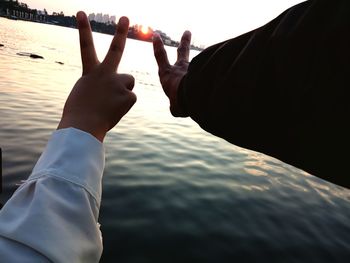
<point>36,56</point>
<point>31,55</point>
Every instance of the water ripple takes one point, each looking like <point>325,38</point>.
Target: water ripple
<point>172,192</point>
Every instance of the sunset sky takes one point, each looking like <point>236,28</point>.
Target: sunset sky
<point>209,21</point>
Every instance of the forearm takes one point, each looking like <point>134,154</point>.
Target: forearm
<point>281,89</point>
<point>53,215</point>
<point>230,90</point>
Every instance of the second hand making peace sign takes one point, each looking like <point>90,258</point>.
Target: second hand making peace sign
<point>101,97</point>
<point>171,75</point>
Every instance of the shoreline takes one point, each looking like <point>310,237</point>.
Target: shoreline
<point>109,29</point>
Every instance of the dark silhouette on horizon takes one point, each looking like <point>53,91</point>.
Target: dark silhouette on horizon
<point>20,11</point>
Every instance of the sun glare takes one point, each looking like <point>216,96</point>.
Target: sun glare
<point>144,30</point>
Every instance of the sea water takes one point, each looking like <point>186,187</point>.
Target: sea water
<point>171,191</point>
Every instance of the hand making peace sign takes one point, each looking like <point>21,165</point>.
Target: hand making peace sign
<point>101,97</point>
<point>171,75</point>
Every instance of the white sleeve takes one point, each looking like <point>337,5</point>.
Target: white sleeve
<point>53,216</point>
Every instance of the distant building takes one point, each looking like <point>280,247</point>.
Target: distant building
<point>102,18</point>
<point>112,19</point>
<point>92,17</point>
<point>41,12</point>
<point>99,17</point>
<point>105,19</point>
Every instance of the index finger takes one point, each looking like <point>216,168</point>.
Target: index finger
<point>116,49</point>
<point>87,48</point>
<point>160,53</point>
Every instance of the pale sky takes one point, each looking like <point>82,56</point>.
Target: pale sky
<point>209,21</point>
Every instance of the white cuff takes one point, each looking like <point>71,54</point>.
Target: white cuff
<point>75,156</point>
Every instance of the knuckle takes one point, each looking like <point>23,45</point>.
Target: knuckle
<point>130,78</point>
<point>115,47</point>
<point>127,80</point>
<point>132,98</point>
<point>182,63</point>
<point>182,49</point>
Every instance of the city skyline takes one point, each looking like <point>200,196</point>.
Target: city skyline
<point>208,23</point>
<point>102,18</point>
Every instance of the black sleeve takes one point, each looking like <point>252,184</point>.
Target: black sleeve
<point>282,89</point>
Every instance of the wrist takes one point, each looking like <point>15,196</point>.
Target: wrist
<point>177,108</point>
<point>79,124</point>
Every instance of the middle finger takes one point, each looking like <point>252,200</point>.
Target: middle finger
<point>116,49</point>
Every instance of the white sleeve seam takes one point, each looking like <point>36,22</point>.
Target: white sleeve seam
<point>51,174</point>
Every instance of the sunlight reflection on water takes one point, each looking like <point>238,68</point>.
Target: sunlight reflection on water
<point>172,192</point>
